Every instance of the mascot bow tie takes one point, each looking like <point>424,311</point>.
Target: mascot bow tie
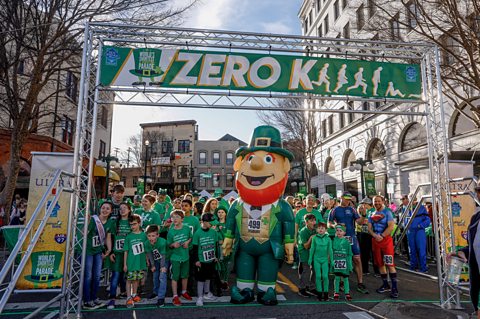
<point>255,208</point>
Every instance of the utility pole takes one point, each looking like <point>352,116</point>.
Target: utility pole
<point>128,157</point>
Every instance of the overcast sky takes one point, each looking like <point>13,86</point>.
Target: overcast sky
<point>265,16</point>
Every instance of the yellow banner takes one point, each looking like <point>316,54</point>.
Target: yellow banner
<point>45,268</point>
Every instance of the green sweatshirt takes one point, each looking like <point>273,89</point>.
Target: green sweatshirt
<point>321,249</point>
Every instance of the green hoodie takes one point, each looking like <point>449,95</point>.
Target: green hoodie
<point>321,249</point>
<point>342,256</point>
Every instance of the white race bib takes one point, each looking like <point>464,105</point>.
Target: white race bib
<point>209,255</point>
<point>156,255</point>
<point>95,241</point>
<point>138,249</point>
<point>388,260</point>
<point>340,264</point>
<point>119,244</point>
<point>254,225</point>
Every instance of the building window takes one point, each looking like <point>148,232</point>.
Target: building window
<point>360,17</point>
<point>372,8</point>
<point>21,67</point>
<point>414,136</point>
<point>395,28</point>
<point>324,128</point>
<point>346,30</point>
<point>325,24</point>
<point>165,172</point>
<point>310,17</point>
<point>461,124</point>
<point>329,165</point>
<point>182,171</point>
<point>184,146</point>
<point>67,130</point>
<point>348,157</point>
<point>216,158</point>
<point>344,4</point>
<point>342,122</point>
<point>102,149</point>
<point>104,117</point>
<point>229,158</point>
<point>71,86</point>
<point>412,15</point>
<point>134,181</point>
<point>318,5</point>
<point>330,125</point>
<point>202,158</point>
<point>376,150</point>
<point>202,182</point>
<point>336,9</point>
<point>229,180</point>
<point>216,180</point>
<point>167,147</point>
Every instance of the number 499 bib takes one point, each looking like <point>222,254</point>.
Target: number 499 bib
<point>254,225</point>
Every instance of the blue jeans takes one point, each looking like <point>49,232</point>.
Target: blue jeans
<point>91,281</point>
<point>159,281</point>
<point>117,278</point>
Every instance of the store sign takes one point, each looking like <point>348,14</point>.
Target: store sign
<point>171,68</point>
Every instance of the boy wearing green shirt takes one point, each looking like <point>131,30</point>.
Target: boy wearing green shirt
<point>179,238</point>
<point>320,258</point>
<point>156,252</point>
<point>205,247</point>
<point>304,241</point>
<point>300,216</point>
<point>134,260</point>
<point>342,262</point>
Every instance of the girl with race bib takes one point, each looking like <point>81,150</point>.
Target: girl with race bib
<point>342,262</point>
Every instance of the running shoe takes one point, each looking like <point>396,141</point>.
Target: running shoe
<point>383,289</point>
<point>176,301</point>
<point>185,295</point>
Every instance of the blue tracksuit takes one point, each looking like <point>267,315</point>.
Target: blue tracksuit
<point>417,240</point>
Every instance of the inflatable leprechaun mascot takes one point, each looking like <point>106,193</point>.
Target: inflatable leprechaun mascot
<point>260,221</point>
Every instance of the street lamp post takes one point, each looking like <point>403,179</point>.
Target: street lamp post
<point>147,143</point>
<point>358,165</point>
<point>106,161</point>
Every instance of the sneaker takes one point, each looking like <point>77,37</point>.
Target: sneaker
<point>130,303</point>
<point>336,297</point>
<point>394,294</point>
<point>111,304</point>
<point>325,296</point>
<point>348,297</point>
<point>295,266</point>
<point>362,289</point>
<point>209,296</point>
<point>199,302</point>
<point>185,295</point>
<point>98,303</point>
<point>383,289</point>
<point>152,295</point>
<point>303,293</point>
<point>122,295</point>
<point>137,298</point>
<point>311,292</point>
<point>161,303</point>
<point>89,305</point>
<point>176,301</point>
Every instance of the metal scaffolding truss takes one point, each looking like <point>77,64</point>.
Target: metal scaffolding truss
<point>92,94</point>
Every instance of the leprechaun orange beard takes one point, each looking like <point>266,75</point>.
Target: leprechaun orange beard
<point>263,196</point>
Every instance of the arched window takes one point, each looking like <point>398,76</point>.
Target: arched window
<point>348,157</point>
<point>459,123</point>
<point>414,135</point>
<point>376,150</point>
<point>329,165</point>
<point>314,169</point>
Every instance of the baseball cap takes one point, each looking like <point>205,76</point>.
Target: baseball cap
<point>137,197</point>
<point>347,195</point>
<point>367,201</point>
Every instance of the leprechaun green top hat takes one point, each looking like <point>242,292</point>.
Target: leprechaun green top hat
<point>147,63</point>
<point>265,138</point>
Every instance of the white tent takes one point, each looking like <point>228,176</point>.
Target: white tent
<point>204,193</point>
<point>233,194</point>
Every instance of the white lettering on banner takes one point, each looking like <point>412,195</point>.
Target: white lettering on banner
<point>299,74</point>
<point>275,72</point>
<point>182,76</point>
<point>230,73</point>
<point>209,69</point>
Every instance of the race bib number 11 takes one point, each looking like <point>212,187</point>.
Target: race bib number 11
<point>138,249</point>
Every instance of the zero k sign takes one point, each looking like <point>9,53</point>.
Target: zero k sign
<point>258,72</point>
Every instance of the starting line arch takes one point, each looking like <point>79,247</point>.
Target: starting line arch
<point>247,47</point>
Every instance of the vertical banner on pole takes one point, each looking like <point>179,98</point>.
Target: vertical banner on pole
<point>369,178</point>
<point>44,269</point>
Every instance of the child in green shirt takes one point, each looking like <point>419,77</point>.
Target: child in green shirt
<point>342,262</point>
<point>221,213</point>
<point>304,241</point>
<point>179,238</point>
<point>134,260</point>
<point>320,258</point>
<point>156,249</point>
<point>148,215</point>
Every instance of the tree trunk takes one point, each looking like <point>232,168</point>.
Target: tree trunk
<point>16,144</point>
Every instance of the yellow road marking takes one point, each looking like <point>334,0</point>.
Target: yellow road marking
<point>290,284</point>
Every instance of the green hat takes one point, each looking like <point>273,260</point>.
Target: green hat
<point>342,227</point>
<point>147,63</point>
<point>162,191</point>
<point>265,138</point>
<point>195,194</point>
<point>347,195</point>
<point>218,192</point>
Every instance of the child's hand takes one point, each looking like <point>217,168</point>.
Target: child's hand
<point>185,245</point>
<point>198,264</point>
<point>214,227</point>
<point>125,269</point>
<point>163,269</point>
<point>112,258</point>
<point>153,269</point>
<point>176,244</point>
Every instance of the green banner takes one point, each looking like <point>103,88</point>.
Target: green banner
<point>191,69</point>
<point>369,178</point>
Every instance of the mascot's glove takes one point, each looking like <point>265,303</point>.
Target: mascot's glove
<point>289,253</point>
<point>227,246</point>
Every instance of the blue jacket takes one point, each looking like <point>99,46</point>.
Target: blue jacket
<point>421,220</point>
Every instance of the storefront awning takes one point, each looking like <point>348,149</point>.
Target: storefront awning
<point>102,172</point>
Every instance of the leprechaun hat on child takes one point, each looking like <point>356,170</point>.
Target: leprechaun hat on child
<point>147,63</point>
<point>265,138</point>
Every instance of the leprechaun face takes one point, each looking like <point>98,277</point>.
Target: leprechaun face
<point>261,176</point>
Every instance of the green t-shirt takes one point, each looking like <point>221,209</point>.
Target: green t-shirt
<point>206,240</point>
<point>119,234</point>
<point>304,235</point>
<point>94,245</point>
<point>179,235</point>
<point>135,246</point>
<point>192,222</point>
<point>149,218</point>
<point>158,249</point>
<point>299,218</point>
<point>221,229</point>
